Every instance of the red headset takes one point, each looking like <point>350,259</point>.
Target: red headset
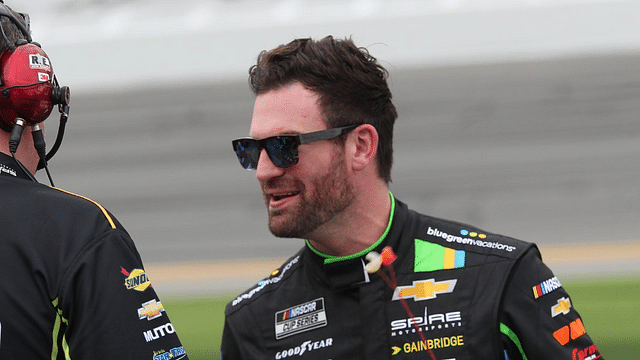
<point>28,86</point>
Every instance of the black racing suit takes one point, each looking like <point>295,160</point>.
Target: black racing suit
<point>469,295</point>
<point>73,285</point>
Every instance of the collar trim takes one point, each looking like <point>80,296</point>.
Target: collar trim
<point>328,259</point>
<point>8,167</point>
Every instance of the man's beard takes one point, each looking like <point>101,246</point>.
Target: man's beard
<point>332,193</point>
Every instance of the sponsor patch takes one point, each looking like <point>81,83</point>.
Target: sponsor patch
<point>562,307</point>
<point>150,310</point>
<point>303,348</point>
<point>569,332</point>
<point>136,279</point>
<point>261,285</point>
<point>176,353</point>
<point>37,61</point>
<point>464,232</point>
<point>158,332</point>
<point>589,353</point>
<point>433,257</point>
<point>300,318</point>
<point>428,322</point>
<point>43,77</point>
<point>469,241</point>
<point>424,289</point>
<point>8,170</point>
<point>546,287</point>
<point>431,344</point>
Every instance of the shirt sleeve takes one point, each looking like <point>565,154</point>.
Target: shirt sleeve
<point>107,307</point>
<point>241,337</point>
<point>229,349</point>
<point>538,320</point>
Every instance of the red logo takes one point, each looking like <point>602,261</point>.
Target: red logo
<point>590,353</point>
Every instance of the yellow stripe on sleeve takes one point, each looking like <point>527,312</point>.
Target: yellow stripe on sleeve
<point>104,211</point>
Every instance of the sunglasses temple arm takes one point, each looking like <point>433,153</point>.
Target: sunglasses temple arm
<point>324,134</point>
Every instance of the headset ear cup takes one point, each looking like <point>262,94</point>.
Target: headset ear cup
<point>60,95</point>
<point>27,85</point>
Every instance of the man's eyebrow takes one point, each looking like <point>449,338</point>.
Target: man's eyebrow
<point>284,133</point>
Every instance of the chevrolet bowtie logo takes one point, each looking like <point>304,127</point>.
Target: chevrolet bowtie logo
<point>563,307</point>
<point>150,310</point>
<point>424,290</point>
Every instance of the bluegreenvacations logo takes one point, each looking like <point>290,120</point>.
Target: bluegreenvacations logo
<point>466,241</point>
<point>264,283</point>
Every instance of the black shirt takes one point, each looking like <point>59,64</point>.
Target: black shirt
<point>73,285</point>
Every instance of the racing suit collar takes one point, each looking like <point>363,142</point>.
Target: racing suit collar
<point>332,259</point>
<point>348,271</point>
<point>8,167</point>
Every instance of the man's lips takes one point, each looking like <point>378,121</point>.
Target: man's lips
<point>279,198</point>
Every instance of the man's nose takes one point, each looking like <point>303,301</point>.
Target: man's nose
<point>266,169</point>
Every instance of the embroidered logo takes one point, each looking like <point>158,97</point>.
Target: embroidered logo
<point>300,318</point>
<point>424,290</point>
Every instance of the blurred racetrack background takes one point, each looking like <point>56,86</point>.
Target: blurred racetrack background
<point>518,116</point>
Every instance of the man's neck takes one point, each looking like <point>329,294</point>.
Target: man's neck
<point>9,166</point>
<point>356,229</point>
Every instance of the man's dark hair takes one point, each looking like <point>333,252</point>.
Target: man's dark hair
<point>351,85</point>
<point>10,31</point>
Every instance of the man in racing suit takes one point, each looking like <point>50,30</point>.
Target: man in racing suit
<point>73,285</point>
<point>471,294</point>
<point>375,280</point>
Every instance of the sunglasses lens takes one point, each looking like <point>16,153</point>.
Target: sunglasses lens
<point>248,153</point>
<point>282,150</point>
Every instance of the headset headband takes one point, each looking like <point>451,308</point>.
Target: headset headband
<point>4,11</point>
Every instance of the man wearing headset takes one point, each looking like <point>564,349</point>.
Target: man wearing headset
<point>375,280</point>
<point>73,285</point>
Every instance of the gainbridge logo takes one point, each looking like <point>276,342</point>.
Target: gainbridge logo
<point>429,344</point>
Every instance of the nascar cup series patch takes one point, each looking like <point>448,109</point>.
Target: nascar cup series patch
<point>300,318</point>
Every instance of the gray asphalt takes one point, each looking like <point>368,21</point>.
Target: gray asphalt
<point>546,151</point>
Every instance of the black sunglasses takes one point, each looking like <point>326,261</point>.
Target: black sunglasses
<point>282,149</point>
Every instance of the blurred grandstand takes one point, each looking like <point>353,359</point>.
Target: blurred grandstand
<point>103,44</point>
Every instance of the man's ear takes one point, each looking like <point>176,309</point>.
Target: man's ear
<point>363,146</point>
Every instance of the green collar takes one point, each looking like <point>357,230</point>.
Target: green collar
<point>328,259</point>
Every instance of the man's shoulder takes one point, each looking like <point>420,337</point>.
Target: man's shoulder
<point>461,236</point>
<point>45,202</point>
<point>267,287</point>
